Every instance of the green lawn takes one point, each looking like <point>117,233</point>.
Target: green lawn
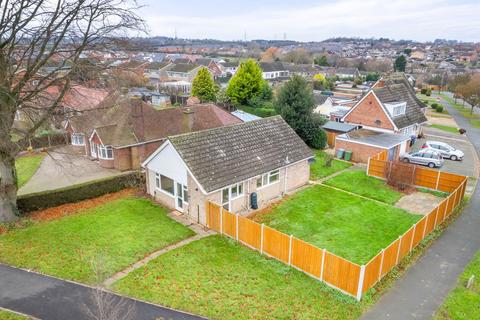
<point>464,111</point>
<point>27,166</point>
<point>445,128</point>
<point>7,315</point>
<point>221,279</point>
<point>115,235</point>
<point>358,182</point>
<point>463,303</point>
<point>319,170</point>
<point>349,226</point>
<point>424,98</point>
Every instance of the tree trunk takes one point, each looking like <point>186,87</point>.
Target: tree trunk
<point>8,189</point>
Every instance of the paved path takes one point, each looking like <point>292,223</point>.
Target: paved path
<point>64,167</point>
<point>421,291</point>
<point>50,298</point>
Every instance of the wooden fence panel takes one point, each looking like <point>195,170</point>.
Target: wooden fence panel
<point>426,178</point>
<point>229,223</point>
<point>377,168</point>
<point>306,257</point>
<point>451,202</point>
<point>449,181</point>
<point>213,216</point>
<point>458,198</point>
<point>249,232</point>
<point>431,221</point>
<point>441,211</point>
<point>390,257</point>
<point>276,244</point>
<point>341,273</point>
<point>418,236</point>
<point>372,272</point>
<point>383,155</point>
<point>464,187</point>
<point>406,243</point>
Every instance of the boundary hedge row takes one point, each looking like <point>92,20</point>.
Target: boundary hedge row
<point>92,189</point>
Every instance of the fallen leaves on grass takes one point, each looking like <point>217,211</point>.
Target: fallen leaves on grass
<point>71,208</point>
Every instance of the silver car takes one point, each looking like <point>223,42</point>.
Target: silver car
<point>425,157</point>
<point>446,150</point>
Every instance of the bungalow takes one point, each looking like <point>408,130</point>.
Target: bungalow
<point>391,109</point>
<point>124,135</point>
<point>241,167</point>
<point>229,68</point>
<point>274,70</point>
<point>347,73</point>
<point>211,65</point>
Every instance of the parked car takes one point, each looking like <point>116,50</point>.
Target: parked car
<point>446,150</point>
<point>425,157</point>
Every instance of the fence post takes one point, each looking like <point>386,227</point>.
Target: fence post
<point>290,251</point>
<point>446,209</point>
<point>398,250</point>
<point>381,266</point>
<point>321,265</point>
<point>261,239</point>
<point>413,236</point>
<point>425,227</point>
<point>360,282</point>
<point>368,166</point>
<point>436,218</point>
<point>221,220</point>
<point>438,180</point>
<point>455,200</point>
<point>389,170</point>
<point>236,226</point>
<point>413,174</point>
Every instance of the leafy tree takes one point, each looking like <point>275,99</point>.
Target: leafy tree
<point>372,76</point>
<point>400,63</point>
<point>321,61</point>
<point>319,77</point>
<point>295,103</point>
<point>298,56</point>
<point>407,51</point>
<point>222,98</point>
<point>456,82</point>
<point>246,83</point>
<point>203,86</point>
<point>270,55</point>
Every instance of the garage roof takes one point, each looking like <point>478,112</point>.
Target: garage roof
<point>373,138</point>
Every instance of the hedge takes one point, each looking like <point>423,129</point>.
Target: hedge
<point>92,189</point>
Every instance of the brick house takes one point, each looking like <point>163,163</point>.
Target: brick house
<point>228,165</point>
<point>124,135</point>
<point>390,111</point>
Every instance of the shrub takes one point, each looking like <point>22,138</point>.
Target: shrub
<point>435,105</point>
<point>79,192</point>
<point>439,109</point>
<point>423,91</point>
<point>429,92</point>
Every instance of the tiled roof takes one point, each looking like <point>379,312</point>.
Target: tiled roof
<point>401,92</point>
<point>227,155</point>
<point>183,67</point>
<point>272,66</point>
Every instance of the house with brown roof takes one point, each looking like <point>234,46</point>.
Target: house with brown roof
<point>389,115</point>
<point>125,134</point>
<point>241,167</point>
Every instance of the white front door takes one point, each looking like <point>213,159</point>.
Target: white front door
<point>93,149</point>
<point>181,196</point>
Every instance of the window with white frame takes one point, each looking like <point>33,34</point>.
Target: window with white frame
<point>78,139</point>
<point>105,153</point>
<point>268,178</point>
<point>165,184</point>
<point>231,193</point>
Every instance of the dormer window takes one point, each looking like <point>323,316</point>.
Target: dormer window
<point>396,108</point>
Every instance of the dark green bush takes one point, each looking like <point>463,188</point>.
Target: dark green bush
<point>263,112</point>
<point>439,109</point>
<point>79,192</point>
<point>423,91</point>
<point>435,105</point>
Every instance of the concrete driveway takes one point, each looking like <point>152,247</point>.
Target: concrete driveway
<point>469,166</point>
<point>65,167</point>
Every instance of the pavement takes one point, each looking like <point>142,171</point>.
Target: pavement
<point>425,285</point>
<point>49,298</point>
<point>65,167</point>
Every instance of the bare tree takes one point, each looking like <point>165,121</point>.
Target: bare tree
<point>33,33</point>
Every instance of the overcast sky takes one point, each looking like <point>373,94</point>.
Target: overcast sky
<point>306,20</point>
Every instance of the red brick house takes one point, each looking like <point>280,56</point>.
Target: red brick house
<point>389,115</point>
<point>124,135</point>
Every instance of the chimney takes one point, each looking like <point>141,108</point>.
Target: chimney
<point>189,114</point>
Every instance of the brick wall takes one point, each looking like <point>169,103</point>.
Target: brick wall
<point>360,152</point>
<point>368,112</point>
<point>122,159</point>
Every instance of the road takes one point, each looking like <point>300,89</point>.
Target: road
<point>49,298</point>
<point>423,288</point>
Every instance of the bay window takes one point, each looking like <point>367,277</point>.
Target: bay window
<point>105,153</point>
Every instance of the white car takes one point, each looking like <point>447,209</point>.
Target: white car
<point>446,150</point>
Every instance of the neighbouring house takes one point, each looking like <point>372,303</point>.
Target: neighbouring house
<point>229,68</point>
<point>125,134</point>
<point>237,166</point>
<point>347,73</point>
<point>210,64</point>
<point>245,116</point>
<point>274,70</point>
<point>335,128</point>
<point>179,77</point>
<point>304,70</point>
<point>389,111</point>
<point>155,72</point>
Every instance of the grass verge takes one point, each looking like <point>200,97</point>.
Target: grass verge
<point>7,315</point>
<point>349,226</point>
<point>444,128</point>
<point>115,235</point>
<point>358,182</point>
<point>321,168</point>
<point>26,167</point>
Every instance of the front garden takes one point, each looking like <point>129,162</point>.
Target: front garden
<point>103,239</point>
<point>26,167</point>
